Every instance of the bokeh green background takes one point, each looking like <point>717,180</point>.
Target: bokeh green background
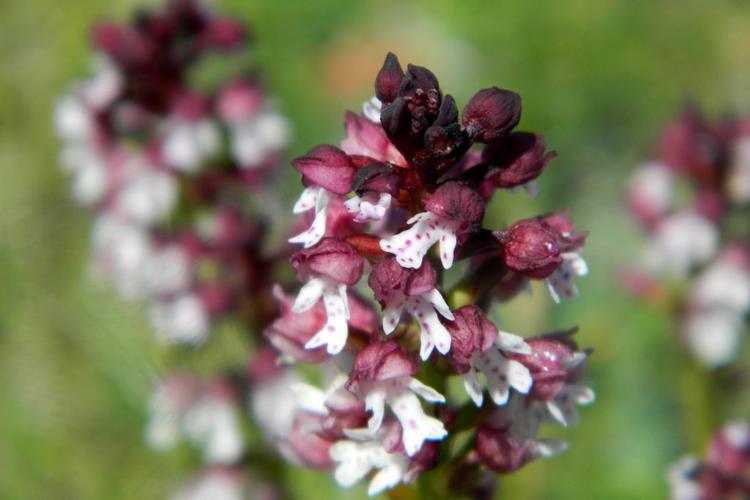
<point>598,78</point>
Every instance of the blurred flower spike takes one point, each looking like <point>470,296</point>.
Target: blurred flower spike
<point>690,200</point>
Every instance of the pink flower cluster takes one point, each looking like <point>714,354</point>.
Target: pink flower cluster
<point>171,170</point>
<point>179,178</point>
<point>395,214</point>
<point>724,473</point>
<point>687,200</point>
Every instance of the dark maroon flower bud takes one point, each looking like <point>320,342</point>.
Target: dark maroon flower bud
<point>516,159</point>
<point>532,247</point>
<point>443,145</point>
<point>448,114</point>
<point>499,451</point>
<point>382,360</point>
<point>457,202</point>
<point>377,177</point>
<point>421,83</point>
<point>491,114</point>
<point>553,361</point>
<point>332,258</point>
<point>389,278</point>
<point>328,167</point>
<point>395,118</point>
<point>388,80</point>
<point>471,332</point>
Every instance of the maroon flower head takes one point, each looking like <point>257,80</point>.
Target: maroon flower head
<point>328,167</point>
<point>331,258</point>
<point>553,361</point>
<point>381,360</point>
<point>515,160</point>
<point>471,332</point>
<point>458,202</point>
<point>389,278</point>
<point>491,114</point>
<point>532,247</point>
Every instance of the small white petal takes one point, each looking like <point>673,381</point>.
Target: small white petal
<point>473,389</point>
<point>433,333</point>
<point>425,391</point>
<point>387,478</point>
<point>307,200</point>
<point>335,331</point>
<point>371,109</point>
<point>447,248</point>
<point>391,317</point>
<point>532,188</point>
<point>309,398</point>
<point>308,296</point>
<point>557,412</point>
<point>512,343</point>
<point>375,402</point>
<point>416,426</point>
<point>546,448</point>
<point>441,306</point>
<point>410,246</point>
<point>350,469</point>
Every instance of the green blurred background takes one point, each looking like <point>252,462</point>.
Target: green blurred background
<point>597,77</point>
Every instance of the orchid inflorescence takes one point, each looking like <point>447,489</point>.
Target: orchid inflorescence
<point>178,176</point>
<point>690,200</point>
<point>393,214</point>
<point>169,168</point>
<point>697,262</point>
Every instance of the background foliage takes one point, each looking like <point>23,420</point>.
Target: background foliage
<point>597,77</point>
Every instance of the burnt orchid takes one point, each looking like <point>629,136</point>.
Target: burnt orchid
<point>688,200</point>
<point>388,214</point>
<point>168,168</point>
<point>691,200</point>
<point>177,174</point>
